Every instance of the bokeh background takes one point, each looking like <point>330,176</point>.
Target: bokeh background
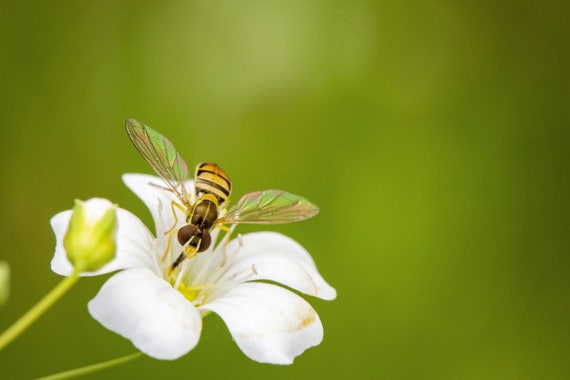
<point>433,135</point>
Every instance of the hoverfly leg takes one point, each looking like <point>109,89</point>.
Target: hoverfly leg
<point>165,254</point>
<point>179,207</point>
<point>170,231</point>
<point>160,187</point>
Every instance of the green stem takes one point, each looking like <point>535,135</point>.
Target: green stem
<point>35,312</point>
<point>92,368</point>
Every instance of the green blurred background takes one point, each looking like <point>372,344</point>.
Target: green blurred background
<point>433,135</point>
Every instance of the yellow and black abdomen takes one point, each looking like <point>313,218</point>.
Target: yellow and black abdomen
<point>211,179</point>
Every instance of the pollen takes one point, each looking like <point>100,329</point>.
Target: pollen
<point>189,292</point>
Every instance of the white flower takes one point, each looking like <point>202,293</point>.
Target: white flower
<point>162,315</point>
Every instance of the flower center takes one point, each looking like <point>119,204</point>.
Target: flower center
<point>194,289</point>
<point>189,292</point>
<point>198,283</point>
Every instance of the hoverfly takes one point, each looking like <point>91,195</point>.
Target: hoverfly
<point>204,208</point>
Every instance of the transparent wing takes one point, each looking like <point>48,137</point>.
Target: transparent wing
<point>270,207</point>
<point>161,155</point>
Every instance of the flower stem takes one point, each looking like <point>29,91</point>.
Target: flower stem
<point>92,368</point>
<point>35,312</point>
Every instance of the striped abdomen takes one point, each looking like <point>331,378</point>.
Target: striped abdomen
<point>211,179</point>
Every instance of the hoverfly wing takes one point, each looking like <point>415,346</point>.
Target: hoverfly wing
<point>270,207</point>
<point>161,155</point>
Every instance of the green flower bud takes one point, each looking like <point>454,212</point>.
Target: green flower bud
<point>4,281</point>
<point>90,237</point>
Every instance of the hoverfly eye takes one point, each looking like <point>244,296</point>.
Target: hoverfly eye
<point>206,241</point>
<point>186,232</point>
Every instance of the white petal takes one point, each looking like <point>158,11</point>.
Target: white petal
<point>95,209</point>
<point>142,307</point>
<point>134,244</point>
<point>153,192</point>
<point>268,323</point>
<point>275,257</point>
